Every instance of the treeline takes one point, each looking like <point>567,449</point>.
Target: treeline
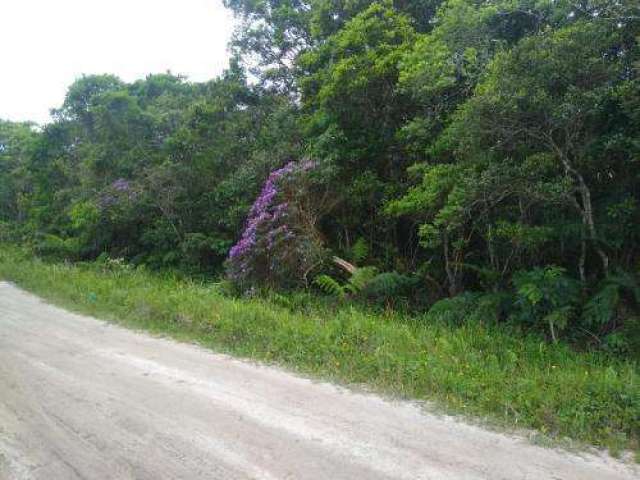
<point>479,158</point>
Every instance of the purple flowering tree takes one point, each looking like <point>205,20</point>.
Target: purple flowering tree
<point>119,190</point>
<point>280,244</point>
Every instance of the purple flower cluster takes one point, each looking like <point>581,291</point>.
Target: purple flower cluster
<point>262,211</point>
<point>107,200</point>
<point>121,185</point>
<point>116,191</point>
<point>270,225</point>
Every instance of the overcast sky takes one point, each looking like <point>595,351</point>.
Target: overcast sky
<point>46,44</point>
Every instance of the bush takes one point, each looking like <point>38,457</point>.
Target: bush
<point>471,307</point>
<point>280,245</point>
<point>546,297</point>
<point>388,287</point>
<point>612,312</point>
<point>365,283</point>
<point>7,232</point>
<point>58,248</point>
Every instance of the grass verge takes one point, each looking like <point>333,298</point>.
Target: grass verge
<point>476,369</point>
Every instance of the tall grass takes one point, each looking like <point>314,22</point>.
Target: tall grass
<point>477,369</point>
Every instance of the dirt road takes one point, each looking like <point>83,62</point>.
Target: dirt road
<point>82,399</point>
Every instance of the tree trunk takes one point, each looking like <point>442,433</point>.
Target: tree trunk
<point>583,255</point>
<point>586,209</point>
<point>346,266</point>
<point>452,275</point>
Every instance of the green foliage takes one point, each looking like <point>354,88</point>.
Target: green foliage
<point>160,171</point>
<point>84,217</point>
<point>57,248</point>
<point>601,307</point>
<point>17,141</point>
<point>330,286</point>
<point>7,232</point>
<point>486,308</point>
<point>367,284</point>
<point>359,250</point>
<point>455,310</point>
<point>389,286</point>
<point>546,295</point>
<point>357,282</point>
<point>361,277</point>
<point>605,313</point>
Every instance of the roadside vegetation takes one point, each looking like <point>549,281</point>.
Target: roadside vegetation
<point>471,367</point>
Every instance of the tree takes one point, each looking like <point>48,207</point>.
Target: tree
<point>556,94</point>
<point>16,147</point>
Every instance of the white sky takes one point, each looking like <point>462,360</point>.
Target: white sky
<point>46,44</point>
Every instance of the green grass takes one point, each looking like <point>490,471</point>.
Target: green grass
<point>480,370</point>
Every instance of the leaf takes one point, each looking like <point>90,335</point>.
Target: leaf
<point>361,278</point>
<point>360,250</point>
<point>329,285</point>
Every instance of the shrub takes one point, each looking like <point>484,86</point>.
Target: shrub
<point>280,245</point>
<point>455,310</point>
<point>388,286</point>
<point>545,296</point>
<point>611,312</point>
<point>58,248</point>
<point>7,232</point>
<point>367,284</point>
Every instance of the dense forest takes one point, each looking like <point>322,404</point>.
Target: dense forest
<point>475,157</point>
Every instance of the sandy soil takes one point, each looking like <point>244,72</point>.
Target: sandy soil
<point>83,399</point>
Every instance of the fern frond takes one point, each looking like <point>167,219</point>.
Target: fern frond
<point>361,277</point>
<point>387,284</point>
<point>329,286</point>
<point>359,250</point>
<point>627,281</point>
<point>601,306</point>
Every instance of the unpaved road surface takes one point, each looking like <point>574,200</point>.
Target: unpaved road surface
<point>82,399</point>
